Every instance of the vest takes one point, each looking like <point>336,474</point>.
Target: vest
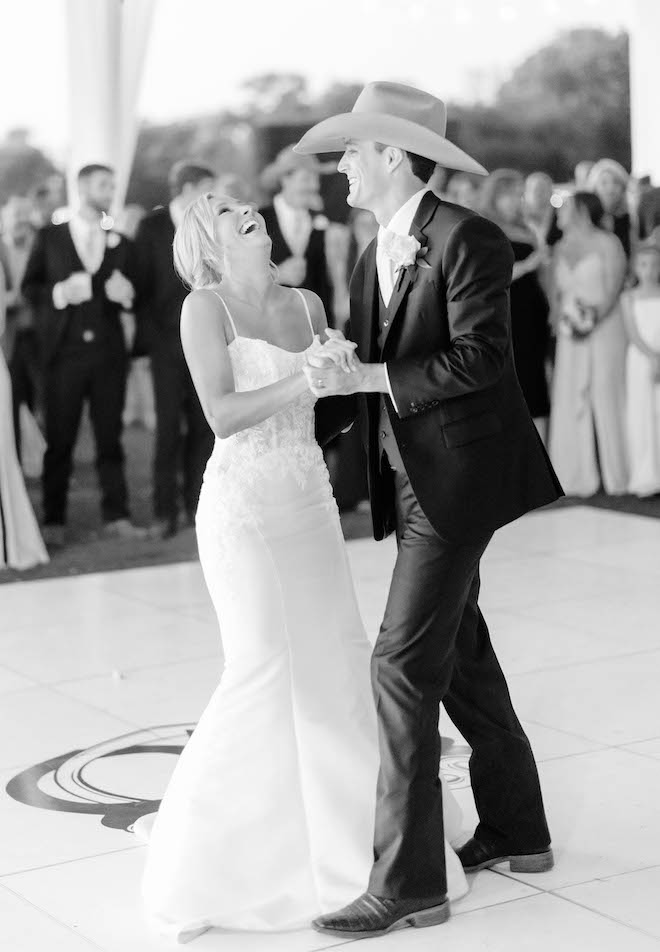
<point>386,438</point>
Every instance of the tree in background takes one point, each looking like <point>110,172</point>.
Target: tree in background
<point>568,101</point>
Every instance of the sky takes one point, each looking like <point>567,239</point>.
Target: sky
<point>201,50</point>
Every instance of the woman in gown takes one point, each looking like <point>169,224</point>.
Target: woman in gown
<point>268,818</point>
<point>502,202</point>
<point>641,313</point>
<point>587,425</point>
<point>21,545</point>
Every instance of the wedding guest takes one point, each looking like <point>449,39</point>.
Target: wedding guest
<point>461,190</point>
<point>21,349</point>
<point>21,546</point>
<point>77,280</point>
<point>502,202</point>
<point>587,431</point>
<point>295,223</point>
<point>641,312</point>
<point>609,181</point>
<point>139,408</point>
<point>183,438</point>
<point>540,214</point>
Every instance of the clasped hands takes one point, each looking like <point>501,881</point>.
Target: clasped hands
<point>334,369</point>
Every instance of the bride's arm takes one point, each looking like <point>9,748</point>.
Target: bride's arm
<point>206,351</point>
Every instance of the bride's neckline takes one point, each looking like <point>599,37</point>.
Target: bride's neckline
<point>262,340</point>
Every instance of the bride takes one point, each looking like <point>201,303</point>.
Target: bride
<point>268,819</point>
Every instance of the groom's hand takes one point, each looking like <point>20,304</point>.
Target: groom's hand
<point>332,381</point>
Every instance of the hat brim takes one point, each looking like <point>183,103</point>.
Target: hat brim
<point>331,134</point>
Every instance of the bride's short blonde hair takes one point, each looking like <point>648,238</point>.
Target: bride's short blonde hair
<point>197,253</point>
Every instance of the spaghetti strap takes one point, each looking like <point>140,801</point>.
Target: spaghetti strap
<point>228,313</point>
<point>306,306</point>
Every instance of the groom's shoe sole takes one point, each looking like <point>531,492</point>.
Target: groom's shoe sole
<point>433,916</point>
<point>524,863</point>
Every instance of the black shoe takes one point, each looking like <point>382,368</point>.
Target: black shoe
<point>477,854</point>
<point>372,916</point>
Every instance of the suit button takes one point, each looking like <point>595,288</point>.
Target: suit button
<point>383,434</point>
<point>386,323</point>
<point>88,336</point>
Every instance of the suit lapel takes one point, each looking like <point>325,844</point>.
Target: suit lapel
<point>423,216</point>
<point>369,328</point>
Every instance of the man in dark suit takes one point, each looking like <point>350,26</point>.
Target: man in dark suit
<point>77,281</point>
<point>453,455</point>
<point>183,438</point>
<point>296,228</point>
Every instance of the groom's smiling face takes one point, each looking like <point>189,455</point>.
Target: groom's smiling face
<point>365,166</point>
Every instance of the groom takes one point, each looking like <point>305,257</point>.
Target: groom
<point>453,455</point>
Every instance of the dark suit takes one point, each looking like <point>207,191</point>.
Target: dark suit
<point>84,358</point>
<point>470,461</point>
<point>183,438</point>
<point>316,277</point>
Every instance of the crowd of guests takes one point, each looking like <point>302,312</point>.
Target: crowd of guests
<point>90,313</point>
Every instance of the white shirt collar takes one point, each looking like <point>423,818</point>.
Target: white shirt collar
<point>402,220</point>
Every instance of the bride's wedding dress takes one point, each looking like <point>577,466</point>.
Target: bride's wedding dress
<point>268,819</point>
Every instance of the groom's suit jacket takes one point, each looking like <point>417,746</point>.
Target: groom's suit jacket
<point>469,446</point>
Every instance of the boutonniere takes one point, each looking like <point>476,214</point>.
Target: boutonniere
<point>406,253</point>
<point>320,223</point>
<point>113,239</point>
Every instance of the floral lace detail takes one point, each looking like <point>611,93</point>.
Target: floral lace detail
<point>243,468</point>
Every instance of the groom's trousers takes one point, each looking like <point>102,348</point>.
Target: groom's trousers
<point>434,647</point>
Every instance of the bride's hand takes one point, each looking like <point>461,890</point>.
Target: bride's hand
<point>337,349</point>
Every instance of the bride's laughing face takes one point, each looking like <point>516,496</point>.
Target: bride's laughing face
<point>239,229</point>
<point>364,165</point>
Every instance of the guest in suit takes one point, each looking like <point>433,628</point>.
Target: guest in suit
<point>183,438</point>
<point>77,280</point>
<point>539,212</point>
<point>296,226</point>
<point>21,349</point>
<point>453,455</point>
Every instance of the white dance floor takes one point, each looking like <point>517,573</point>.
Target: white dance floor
<point>101,676</point>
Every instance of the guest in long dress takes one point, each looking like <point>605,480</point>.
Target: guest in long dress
<point>587,430</point>
<point>609,181</point>
<point>641,312</point>
<point>21,545</point>
<point>502,202</point>
<point>20,341</point>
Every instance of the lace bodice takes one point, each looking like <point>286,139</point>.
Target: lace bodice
<point>286,439</point>
<point>266,465</point>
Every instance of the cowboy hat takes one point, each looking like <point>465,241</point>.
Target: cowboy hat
<point>396,115</point>
<point>288,161</point>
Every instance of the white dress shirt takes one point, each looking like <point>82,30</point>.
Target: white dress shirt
<point>400,224</point>
<point>90,242</point>
<point>295,225</point>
